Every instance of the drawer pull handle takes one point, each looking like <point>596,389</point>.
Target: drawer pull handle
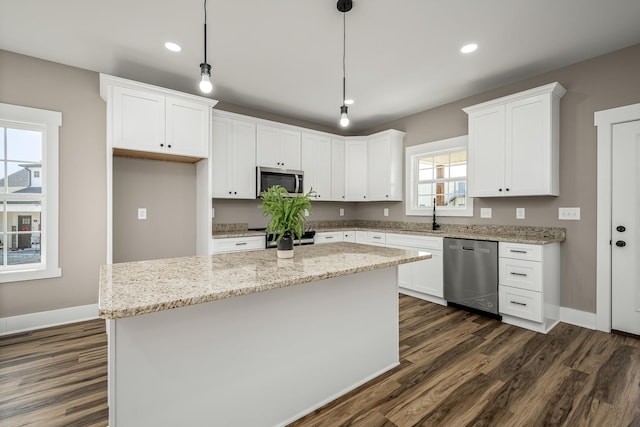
<point>329,237</point>
<point>241,243</point>
<point>468,248</point>
<point>517,251</point>
<point>518,303</point>
<point>518,274</point>
<point>377,237</point>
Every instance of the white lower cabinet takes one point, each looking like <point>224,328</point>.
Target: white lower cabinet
<point>529,285</point>
<point>376,238</point>
<point>328,237</point>
<point>422,279</point>
<point>349,236</point>
<point>238,244</point>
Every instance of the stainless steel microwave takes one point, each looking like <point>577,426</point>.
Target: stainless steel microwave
<point>291,180</point>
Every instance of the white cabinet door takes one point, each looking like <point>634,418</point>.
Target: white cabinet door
<point>290,149</point>
<point>378,168</point>
<point>222,158</point>
<point>356,170</point>
<point>268,146</point>
<point>138,120</point>
<point>528,146</point>
<point>487,152</point>
<point>427,276</point>
<point>233,159</point>
<point>244,160</point>
<point>328,237</point>
<point>316,164</point>
<point>337,169</point>
<point>278,148</point>
<point>187,127</point>
<point>349,236</point>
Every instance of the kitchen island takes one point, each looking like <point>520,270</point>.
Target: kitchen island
<point>246,339</point>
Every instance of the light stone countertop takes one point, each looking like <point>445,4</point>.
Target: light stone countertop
<point>134,288</point>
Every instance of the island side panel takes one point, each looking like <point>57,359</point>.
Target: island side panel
<point>262,359</point>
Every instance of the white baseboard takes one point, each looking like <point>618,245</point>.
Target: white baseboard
<point>45,319</point>
<point>580,318</point>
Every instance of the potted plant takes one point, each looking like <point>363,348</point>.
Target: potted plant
<point>287,216</point>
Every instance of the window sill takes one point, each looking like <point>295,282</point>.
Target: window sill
<point>33,274</point>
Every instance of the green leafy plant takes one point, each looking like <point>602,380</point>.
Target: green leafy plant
<point>287,212</point>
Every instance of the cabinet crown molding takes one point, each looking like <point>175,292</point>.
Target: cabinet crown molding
<point>107,80</point>
<point>556,89</point>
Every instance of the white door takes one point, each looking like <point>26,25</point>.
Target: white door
<point>187,128</point>
<point>625,232</point>
<point>356,170</point>
<point>244,160</point>
<point>487,152</point>
<point>379,167</point>
<point>290,148</point>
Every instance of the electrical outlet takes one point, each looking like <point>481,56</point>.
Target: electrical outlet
<point>519,213</point>
<point>572,214</point>
<point>485,212</point>
<point>341,211</point>
<point>306,212</point>
<point>142,213</point>
<point>385,212</point>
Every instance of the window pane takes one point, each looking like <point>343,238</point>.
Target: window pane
<point>24,145</point>
<point>20,178</point>
<point>425,168</point>
<point>24,233</point>
<point>458,171</point>
<point>441,163</point>
<point>425,189</point>
<point>425,201</point>
<point>2,129</point>
<point>3,236</point>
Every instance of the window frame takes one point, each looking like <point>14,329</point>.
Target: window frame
<point>49,123</point>
<point>434,148</point>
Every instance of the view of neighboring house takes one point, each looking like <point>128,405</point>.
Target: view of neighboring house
<point>23,216</point>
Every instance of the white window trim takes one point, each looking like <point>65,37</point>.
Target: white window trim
<point>51,120</point>
<point>431,148</point>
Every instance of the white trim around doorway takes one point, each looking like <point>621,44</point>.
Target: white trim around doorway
<point>604,120</point>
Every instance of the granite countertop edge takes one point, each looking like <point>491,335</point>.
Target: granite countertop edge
<point>507,238</point>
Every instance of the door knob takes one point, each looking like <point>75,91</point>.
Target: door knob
<point>621,228</point>
<point>621,243</point>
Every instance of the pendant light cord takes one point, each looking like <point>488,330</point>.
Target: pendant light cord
<point>205,31</point>
<point>344,55</point>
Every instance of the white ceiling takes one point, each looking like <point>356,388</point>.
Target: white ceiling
<point>285,56</point>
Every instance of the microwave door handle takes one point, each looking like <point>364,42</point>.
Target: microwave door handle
<point>297,189</point>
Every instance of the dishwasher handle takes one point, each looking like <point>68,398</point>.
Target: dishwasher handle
<point>468,248</point>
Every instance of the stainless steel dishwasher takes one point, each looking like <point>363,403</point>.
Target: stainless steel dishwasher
<point>471,274</point>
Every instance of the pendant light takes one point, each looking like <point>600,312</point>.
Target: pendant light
<point>205,69</point>
<point>344,6</point>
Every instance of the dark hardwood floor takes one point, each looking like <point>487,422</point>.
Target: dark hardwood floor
<point>457,369</point>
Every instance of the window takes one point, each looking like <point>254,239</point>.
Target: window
<point>437,172</point>
<point>28,193</point>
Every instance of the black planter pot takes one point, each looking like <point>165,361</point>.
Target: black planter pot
<point>285,245</point>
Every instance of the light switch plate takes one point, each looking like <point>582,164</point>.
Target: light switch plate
<point>306,212</point>
<point>386,211</point>
<point>142,213</point>
<point>341,211</point>
<point>485,212</point>
<point>572,214</point>
<point>519,213</point>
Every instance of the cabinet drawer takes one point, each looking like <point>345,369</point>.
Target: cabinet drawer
<point>520,251</point>
<point>376,238</point>
<point>520,303</point>
<point>520,274</point>
<point>328,237</point>
<point>238,244</point>
<point>413,241</point>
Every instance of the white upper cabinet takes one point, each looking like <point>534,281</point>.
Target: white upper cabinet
<point>233,158</point>
<point>384,167</point>
<point>278,147</point>
<point>316,164</point>
<point>355,177</point>
<point>337,169</point>
<point>150,119</point>
<point>514,144</point>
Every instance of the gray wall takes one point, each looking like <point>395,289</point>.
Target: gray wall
<point>168,191</point>
<point>36,83</point>
<point>604,82</point>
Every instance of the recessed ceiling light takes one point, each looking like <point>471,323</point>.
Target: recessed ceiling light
<point>348,101</point>
<point>173,47</point>
<point>468,48</point>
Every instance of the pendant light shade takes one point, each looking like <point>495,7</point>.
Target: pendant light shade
<point>344,6</point>
<point>206,85</point>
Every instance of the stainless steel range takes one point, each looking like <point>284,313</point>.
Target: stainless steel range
<point>306,239</point>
